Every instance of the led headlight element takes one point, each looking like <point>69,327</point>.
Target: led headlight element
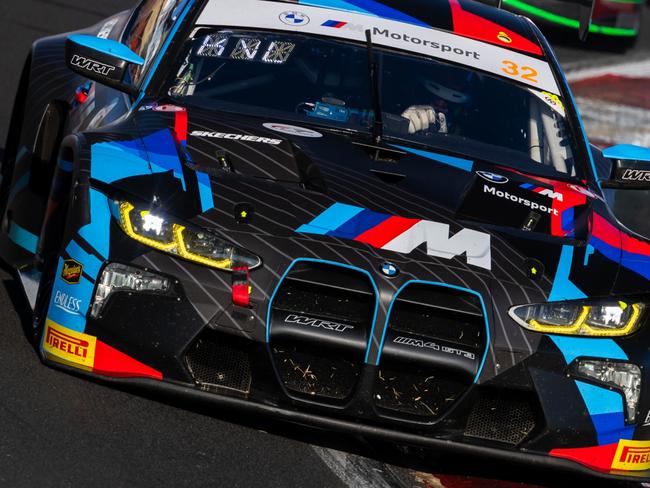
<point>118,277</point>
<point>582,318</point>
<point>625,377</point>
<point>171,236</point>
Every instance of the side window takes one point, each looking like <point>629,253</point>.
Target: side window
<point>149,29</point>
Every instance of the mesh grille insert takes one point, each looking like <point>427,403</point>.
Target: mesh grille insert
<point>321,318</point>
<point>219,361</point>
<point>420,394</point>
<point>496,417</point>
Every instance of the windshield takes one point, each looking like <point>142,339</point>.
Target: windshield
<point>423,102</point>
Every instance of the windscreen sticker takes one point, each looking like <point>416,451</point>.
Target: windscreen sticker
<point>416,39</point>
<point>551,100</point>
<point>293,130</point>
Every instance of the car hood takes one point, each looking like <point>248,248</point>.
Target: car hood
<point>398,203</point>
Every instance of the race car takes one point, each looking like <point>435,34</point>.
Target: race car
<point>381,218</point>
<point>618,20</point>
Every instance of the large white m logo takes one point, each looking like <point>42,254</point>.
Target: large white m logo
<point>475,245</point>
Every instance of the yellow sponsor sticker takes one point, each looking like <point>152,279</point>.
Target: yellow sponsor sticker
<point>632,455</point>
<point>69,347</point>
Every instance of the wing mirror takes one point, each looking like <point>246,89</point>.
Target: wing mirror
<point>102,60</point>
<point>631,167</point>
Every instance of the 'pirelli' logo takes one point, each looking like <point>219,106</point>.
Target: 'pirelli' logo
<point>632,455</point>
<point>68,346</point>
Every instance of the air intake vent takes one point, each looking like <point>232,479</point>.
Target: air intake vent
<point>219,361</point>
<point>433,347</point>
<point>501,416</point>
<point>321,316</point>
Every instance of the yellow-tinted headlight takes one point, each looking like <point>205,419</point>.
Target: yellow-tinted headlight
<point>173,237</point>
<point>591,319</point>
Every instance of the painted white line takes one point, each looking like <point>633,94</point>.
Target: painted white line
<point>354,471</point>
<point>636,69</point>
<point>615,124</point>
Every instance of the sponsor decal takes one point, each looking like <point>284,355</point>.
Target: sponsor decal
<point>294,18</point>
<point>236,137</point>
<point>390,270</point>
<point>337,24</point>
<point>67,303</point>
<point>632,455</point>
<point>400,234</point>
<point>68,345</point>
<point>434,346</point>
<point>503,37</point>
<point>71,272</point>
<point>636,175</point>
<point>91,65</point>
<point>493,177</point>
<point>540,190</point>
<point>491,190</point>
<point>293,130</point>
<point>419,41</point>
<point>320,324</point>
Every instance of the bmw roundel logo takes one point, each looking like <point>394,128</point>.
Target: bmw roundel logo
<point>294,18</point>
<point>390,270</point>
<point>492,177</point>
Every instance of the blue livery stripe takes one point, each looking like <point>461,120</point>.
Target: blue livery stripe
<point>205,191</point>
<point>112,161</point>
<point>337,5</point>
<point>563,288</point>
<point>90,262</point>
<point>332,218</point>
<point>464,164</point>
<point>162,150</point>
<point>357,225</point>
<point>97,231</point>
<point>526,186</point>
<point>386,12</point>
<point>573,347</point>
<point>607,412</point>
<point>22,237</point>
<point>567,219</point>
<point>588,252</point>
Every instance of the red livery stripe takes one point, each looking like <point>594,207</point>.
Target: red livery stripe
<point>389,229</point>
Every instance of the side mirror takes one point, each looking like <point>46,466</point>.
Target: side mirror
<point>102,60</point>
<point>631,167</point>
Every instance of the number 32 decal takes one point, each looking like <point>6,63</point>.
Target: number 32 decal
<point>524,72</point>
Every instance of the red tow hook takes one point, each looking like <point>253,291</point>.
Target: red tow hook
<point>241,287</point>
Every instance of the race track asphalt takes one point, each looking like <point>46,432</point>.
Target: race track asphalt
<point>58,430</point>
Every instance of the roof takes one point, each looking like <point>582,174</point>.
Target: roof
<point>465,18</point>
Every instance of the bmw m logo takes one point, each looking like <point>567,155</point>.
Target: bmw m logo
<point>294,18</point>
<point>389,269</point>
<point>492,177</point>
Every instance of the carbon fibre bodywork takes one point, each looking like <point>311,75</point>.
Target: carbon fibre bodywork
<point>337,326</point>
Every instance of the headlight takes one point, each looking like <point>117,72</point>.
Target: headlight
<point>171,236</point>
<point>594,319</point>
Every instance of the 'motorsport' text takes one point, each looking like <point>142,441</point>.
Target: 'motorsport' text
<point>445,48</point>
<point>520,200</point>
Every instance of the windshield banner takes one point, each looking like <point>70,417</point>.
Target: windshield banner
<point>352,26</point>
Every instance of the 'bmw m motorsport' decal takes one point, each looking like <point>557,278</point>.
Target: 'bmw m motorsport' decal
<point>401,234</point>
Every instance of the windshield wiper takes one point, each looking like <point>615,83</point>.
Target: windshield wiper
<point>378,124</point>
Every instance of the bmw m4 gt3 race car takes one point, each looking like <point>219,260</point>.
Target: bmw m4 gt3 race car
<point>376,217</point>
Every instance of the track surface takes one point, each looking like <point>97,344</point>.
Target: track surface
<point>60,430</point>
